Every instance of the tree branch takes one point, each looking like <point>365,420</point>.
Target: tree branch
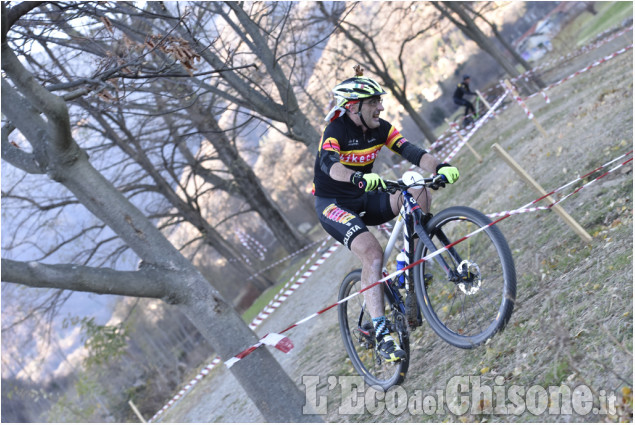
<point>10,16</point>
<point>16,156</point>
<point>52,106</point>
<point>148,283</point>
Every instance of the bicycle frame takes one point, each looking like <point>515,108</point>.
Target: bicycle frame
<point>411,216</point>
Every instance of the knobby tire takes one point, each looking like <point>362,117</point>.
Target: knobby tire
<point>469,316</point>
<point>364,359</point>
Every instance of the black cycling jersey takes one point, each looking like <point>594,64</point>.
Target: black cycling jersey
<point>343,141</point>
<point>461,90</point>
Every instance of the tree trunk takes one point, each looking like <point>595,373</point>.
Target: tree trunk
<point>418,119</point>
<point>517,56</point>
<point>247,184</point>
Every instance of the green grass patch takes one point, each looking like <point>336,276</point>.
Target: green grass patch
<point>261,302</point>
<point>622,261</point>
<point>270,293</point>
<point>609,16</point>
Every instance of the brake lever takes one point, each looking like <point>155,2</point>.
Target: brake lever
<point>437,183</point>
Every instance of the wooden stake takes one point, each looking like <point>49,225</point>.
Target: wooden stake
<point>137,412</point>
<point>478,93</point>
<point>529,113</point>
<point>529,180</point>
<point>458,132</point>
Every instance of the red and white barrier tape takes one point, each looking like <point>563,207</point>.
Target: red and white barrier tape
<point>542,92</point>
<point>522,104</point>
<point>583,70</point>
<point>477,125</point>
<point>582,50</point>
<point>526,208</point>
<point>251,244</point>
<point>287,290</point>
<point>282,260</point>
<point>204,372</point>
<point>275,303</point>
<point>278,341</point>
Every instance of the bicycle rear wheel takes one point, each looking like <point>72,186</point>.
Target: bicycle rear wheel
<point>358,336</point>
<point>469,311</point>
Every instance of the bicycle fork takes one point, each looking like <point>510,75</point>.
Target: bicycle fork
<point>415,225</point>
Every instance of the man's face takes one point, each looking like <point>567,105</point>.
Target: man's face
<point>370,111</point>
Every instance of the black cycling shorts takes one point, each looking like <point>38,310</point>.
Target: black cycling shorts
<point>345,218</point>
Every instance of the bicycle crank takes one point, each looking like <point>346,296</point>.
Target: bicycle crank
<point>469,277</point>
<point>366,335</point>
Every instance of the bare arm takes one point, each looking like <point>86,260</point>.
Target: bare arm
<point>429,163</point>
<point>340,173</point>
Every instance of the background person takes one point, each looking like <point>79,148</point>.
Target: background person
<point>462,89</point>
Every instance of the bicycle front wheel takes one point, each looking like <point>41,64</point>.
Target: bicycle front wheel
<point>468,310</point>
<point>358,335</point>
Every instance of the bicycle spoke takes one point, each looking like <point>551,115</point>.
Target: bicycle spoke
<point>360,343</point>
<point>471,306</point>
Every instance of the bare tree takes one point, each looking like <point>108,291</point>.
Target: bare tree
<point>250,89</point>
<point>43,119</point>
<point>366,38</point>
<point>249,188</point>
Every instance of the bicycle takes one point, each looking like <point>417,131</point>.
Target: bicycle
<point>469,119</point>
<point>453,289</point>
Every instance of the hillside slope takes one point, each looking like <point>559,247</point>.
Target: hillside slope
<point>573,322</point>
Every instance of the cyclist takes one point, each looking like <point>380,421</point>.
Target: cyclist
<point>344,186</point>
<point>462,89</point>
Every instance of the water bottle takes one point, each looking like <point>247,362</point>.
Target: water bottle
<point>401,263</point>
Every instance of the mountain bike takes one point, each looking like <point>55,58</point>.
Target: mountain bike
<point>466,292</point>
<point>469,119</point>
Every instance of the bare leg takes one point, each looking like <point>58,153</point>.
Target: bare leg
<point>369,251</point>
<point>367,248</point>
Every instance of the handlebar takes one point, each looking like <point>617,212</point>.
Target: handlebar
<point>433,183</point>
